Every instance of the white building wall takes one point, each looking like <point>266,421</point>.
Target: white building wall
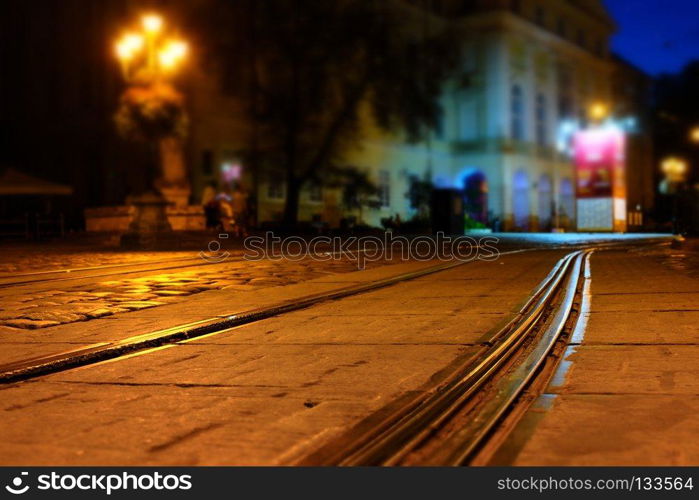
<point>477,120</point>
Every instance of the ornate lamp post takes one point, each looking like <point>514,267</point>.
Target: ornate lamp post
<point>151,112</point>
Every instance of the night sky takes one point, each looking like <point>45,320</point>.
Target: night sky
<point>656,35</point>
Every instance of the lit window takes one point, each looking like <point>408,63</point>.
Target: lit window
<point>385,188</point>
<point>517,113</point>
<point>541,120</point>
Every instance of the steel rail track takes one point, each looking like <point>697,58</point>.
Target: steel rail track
<point>406,428</point>
<point>461,446</point>
<point>32,368</point>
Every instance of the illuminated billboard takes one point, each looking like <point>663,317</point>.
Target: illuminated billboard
<point>600,187</point>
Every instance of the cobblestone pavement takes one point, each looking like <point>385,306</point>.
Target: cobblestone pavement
<point>42,304</point>
<point>23,259</point>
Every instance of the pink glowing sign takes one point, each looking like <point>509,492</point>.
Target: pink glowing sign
<point>599,162</point>
<point>231,172</point>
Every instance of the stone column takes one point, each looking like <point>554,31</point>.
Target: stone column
<point>173,182</point>
<point>149,222</point>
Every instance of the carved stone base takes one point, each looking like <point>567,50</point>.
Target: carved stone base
<point>173,182</point>
<point>118,218</point>
<point>150,220</point>
<point>176,195</point>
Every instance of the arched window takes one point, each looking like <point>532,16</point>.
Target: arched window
<point>567,205</point>
<point>517,113</point>
<point>475,189</point>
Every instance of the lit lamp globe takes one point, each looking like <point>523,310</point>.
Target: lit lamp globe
<point>598,111</point>
<point>674,169</point>
<point>694,135</point>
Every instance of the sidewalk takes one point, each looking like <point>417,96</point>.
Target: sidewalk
<point>629,393</point>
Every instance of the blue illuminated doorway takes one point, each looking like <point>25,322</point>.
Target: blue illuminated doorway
<point>475,188</point>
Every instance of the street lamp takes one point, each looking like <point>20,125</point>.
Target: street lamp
<point>598,111</point>
<point>152,23</point>
<point>147,56</point>
<point>694,135</point>
<point>151,111</point>
<point>675,170</point>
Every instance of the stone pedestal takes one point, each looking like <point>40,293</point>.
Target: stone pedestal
<point>173,183</point>
<point>149,222</point>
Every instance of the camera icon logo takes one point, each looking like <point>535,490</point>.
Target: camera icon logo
<point>16,487</point>
<point>215,255</point>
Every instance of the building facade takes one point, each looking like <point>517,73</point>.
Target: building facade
<point>533,72</point>
<point>530,69</point>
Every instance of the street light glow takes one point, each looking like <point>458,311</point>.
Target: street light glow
<point>161,55</point>
<point>128,46</point>
<point>598,111</point>
<point>152,23</point>
<point>674,168</point>
<point>178,48</point>
<point>172,54</point>
<point>694,135</point>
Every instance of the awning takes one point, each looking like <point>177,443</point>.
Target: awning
<point>13,182</point>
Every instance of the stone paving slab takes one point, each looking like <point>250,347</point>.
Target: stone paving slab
<point>371,307</point>
<point>686,301</point>
<point>159,406</point>
<point>16,352</point>
<point>646,369</point>
<point>614,430</point>
<point>643,327</point>
<point>629,393</point>
<point>376,330</point>
<point>174,426</point>
<point>307,370</point>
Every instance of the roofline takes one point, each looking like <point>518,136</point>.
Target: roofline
<point>606,19</point>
